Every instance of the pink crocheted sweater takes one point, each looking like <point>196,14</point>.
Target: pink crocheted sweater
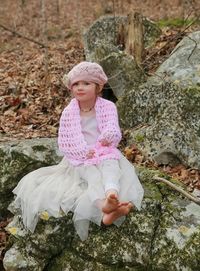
<point>71,141</point>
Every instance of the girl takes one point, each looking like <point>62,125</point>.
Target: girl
<point>94,180</point>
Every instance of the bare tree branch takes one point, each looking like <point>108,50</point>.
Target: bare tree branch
<point>22,36</point>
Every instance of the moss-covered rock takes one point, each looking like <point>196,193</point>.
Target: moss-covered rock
<point>164,235</point>
<point>167,119</point>
<point>15,260</point>
<point>165,111</point>
<point>122,71</point>
<point>177,242</point>
<point>20,157</point>
<point>35,250</point>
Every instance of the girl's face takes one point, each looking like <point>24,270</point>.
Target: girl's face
<point>84,91</point>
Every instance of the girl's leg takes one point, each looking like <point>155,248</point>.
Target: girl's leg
<point>105,196</point>
<point>110,206</point>
<point>111,174</point>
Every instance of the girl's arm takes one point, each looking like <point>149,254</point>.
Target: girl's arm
<point>111,133</point>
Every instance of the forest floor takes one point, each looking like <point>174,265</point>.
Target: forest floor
<point>32,95</point>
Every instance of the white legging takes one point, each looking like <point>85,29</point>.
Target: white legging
<point>109,174</point>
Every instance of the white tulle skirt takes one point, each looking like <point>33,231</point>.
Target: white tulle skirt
<point>63,188</point>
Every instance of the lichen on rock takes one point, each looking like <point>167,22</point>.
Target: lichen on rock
<point>164,234</point>
<point>167,118</point>
<point>19,158</point>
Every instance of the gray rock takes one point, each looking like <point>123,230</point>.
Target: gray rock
<point>14,261</point>
<point>177,240</point>
<point>106,30</point>
<point>122,71</point>
<point>20,157</point>
<point>34,251</point>
<point>164,121</point>
<point>164,235</point>
<point>183,65</point>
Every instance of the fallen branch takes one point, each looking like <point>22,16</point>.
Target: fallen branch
<point>180,190</point>
<point>22,36</point>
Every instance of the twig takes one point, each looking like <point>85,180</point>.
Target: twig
<point>22,36</point>
<point>195,46</point>
<point>180,190</point>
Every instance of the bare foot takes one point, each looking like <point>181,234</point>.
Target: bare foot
<point>124,209</point>
<point>110,204</point>
<point>123,203</point>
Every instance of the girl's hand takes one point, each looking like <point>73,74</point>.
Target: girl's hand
<point>105,143</point>
<point>90,154</point>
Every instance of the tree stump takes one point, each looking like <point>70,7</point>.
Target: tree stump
<point>131,36</point>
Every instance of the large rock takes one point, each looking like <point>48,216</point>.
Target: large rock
<point>122,71</point>
<point>102,45</point>
<point>164,235</point>
<point>183,65</point>
<point>164,121</point>
<point>32,252</point>
<point>20,157</point>
<point>163,114</point>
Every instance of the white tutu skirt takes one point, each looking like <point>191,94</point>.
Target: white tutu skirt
<point>64,187</point>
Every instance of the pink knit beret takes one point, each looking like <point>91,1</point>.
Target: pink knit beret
<point>85,71</point>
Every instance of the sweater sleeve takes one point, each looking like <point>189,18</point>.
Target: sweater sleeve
<point>69,141</point>
<point>111,131</point>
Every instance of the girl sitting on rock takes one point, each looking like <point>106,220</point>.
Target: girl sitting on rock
<point>93,180</point>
